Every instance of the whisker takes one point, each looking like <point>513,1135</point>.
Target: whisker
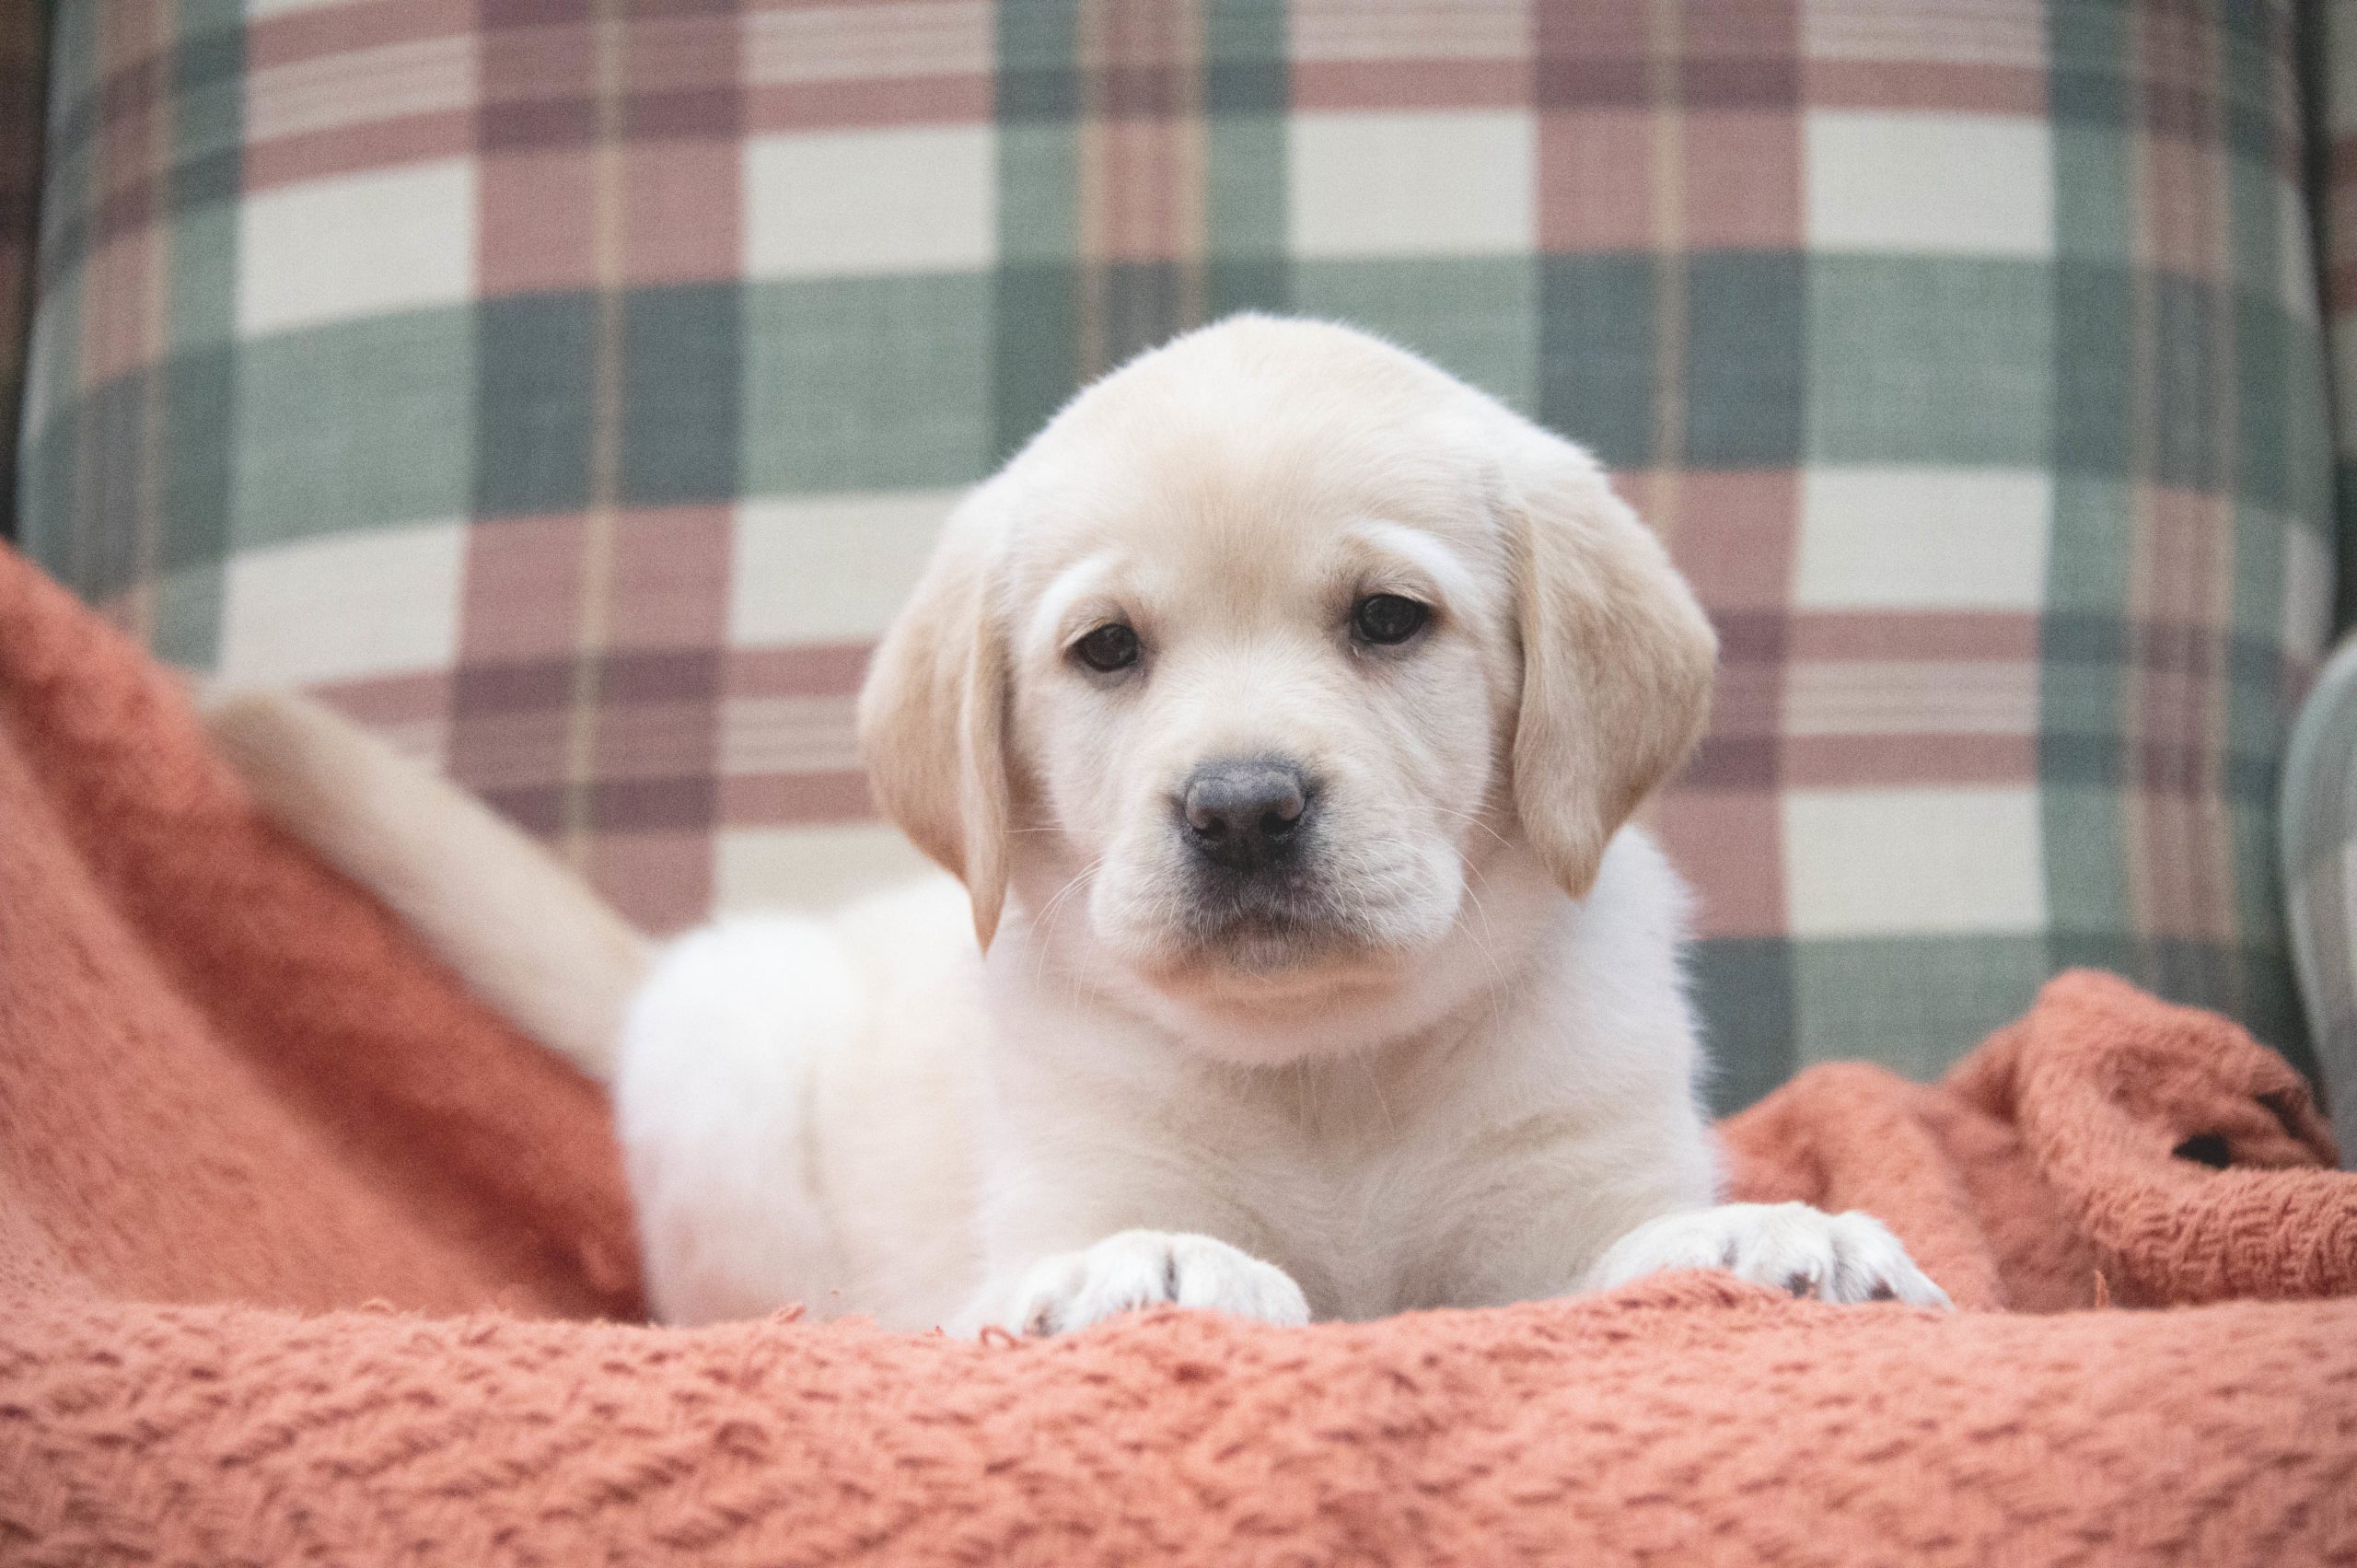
<point>1497,989</point>
<point>1041,921</point>
<point>1477,819</point>
<point>1374,1087</point>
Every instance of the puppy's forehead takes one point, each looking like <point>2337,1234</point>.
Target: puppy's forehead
<point>1257,445</point>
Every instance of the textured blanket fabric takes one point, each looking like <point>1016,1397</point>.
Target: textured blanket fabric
<point>296,1245</point>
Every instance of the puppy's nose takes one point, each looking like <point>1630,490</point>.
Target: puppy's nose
<point>1245,815</point>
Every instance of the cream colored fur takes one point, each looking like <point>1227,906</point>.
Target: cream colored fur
<point>1461,1071</point>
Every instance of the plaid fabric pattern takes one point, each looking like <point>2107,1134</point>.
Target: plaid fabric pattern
<point>24,59</point>
<point>2328,51</point>
<point>572,387</point>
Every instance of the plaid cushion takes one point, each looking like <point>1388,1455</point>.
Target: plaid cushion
<point>24,57</point>
<point>2328,50</point>
<point>572,387</point>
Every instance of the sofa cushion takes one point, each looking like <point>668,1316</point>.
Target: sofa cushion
<point>571,390</point>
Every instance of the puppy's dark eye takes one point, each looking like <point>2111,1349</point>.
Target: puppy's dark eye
<point>1110,647</point>
<point>1388,618</point>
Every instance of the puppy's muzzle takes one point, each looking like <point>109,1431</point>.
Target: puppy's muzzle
<point>1245,815</point>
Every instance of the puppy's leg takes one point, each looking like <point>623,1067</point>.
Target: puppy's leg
<point>795,1100</point>
<point>1137,1269</point>
<point>714,1107</point>
<point>1845,1258</point>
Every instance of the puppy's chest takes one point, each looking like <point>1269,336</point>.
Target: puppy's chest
<point>1373,1229</point>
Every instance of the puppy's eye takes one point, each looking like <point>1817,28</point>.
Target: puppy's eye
<point>1388,618</point>
<point>1110,647</point>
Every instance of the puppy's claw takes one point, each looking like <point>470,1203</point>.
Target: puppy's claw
<point>1150,1268</point>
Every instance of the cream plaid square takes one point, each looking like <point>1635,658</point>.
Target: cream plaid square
<point>1923,538</point>
<point>356,244</point>
<point>829,568</point>
<point>1897,861</point>
<point>811,868</point>
<point>1961,183</point>
<point>1458,183</point>
<point>919,198</point>
<point>343,606</point>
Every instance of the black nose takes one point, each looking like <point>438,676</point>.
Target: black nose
<point>1245,815</point>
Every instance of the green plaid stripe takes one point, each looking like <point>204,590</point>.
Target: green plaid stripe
<point>572,390</point>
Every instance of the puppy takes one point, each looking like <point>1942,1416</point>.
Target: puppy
<point>1281,708</point>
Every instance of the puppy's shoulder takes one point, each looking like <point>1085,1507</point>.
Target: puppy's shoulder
<point>1640,905</point>
<point>1614,989</point>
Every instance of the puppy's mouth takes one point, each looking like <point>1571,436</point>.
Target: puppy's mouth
<point>1272,931</point>
<point>1266,926</point>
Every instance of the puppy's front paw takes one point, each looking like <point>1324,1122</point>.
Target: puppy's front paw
<point>1150,1267</point>
<point>1792,1247</point>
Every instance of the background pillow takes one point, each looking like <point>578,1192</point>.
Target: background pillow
<point>572,391</point>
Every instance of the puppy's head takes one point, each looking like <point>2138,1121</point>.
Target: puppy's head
<point>1267,648</point>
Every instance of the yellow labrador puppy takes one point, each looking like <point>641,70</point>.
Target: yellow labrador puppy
<point>1281,708</point>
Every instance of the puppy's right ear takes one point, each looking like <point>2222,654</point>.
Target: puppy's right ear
<point>933,715</point>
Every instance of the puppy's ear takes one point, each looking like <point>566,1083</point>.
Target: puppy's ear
<point>933,715</point>
<point>1616,657</point>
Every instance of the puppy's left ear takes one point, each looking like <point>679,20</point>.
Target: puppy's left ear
<point>932,714</point>
<point>1616,657</point>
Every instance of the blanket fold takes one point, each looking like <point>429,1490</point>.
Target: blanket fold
<point>305,1256</point>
